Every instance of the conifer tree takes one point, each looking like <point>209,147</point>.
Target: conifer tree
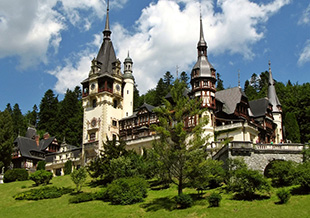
<point>48,113</point>
<point>178,144</point>
<point>6,138</point>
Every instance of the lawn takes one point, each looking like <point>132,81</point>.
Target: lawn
<point>158,204</point>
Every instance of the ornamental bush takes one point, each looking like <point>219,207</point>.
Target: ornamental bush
<point>214,199</point>
<point>183,201</point>
<point>17,174</point>
<point>41,165</point>
<point>282,173</point>
<point>81,197</point>
<point>41,177</point>
<point>127,190</point>
<point>284,195</point>
<point>68,167</point>
<point>245,182</point>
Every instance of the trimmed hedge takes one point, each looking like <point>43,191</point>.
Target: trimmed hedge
<point>82,197</point>
<point>41,177</point>
<point>17,174</point>
<point>42,193</point>
<point>127,190</point>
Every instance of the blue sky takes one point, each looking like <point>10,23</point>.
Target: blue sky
<point>49,44</point>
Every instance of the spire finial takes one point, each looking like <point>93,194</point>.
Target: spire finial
<point>128,54</point>
<point>269,63</point>
<point>177,68</point>
<point>107,31</point>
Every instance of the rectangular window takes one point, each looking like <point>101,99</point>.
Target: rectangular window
<point>127,92</point>
<point>114,123</point>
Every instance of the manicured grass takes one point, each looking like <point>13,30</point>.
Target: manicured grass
<point>158,204</point>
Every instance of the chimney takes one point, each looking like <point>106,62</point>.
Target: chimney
<point>37,139</point>
<point>46,135</point>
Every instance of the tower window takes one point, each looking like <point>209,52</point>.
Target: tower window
<point>126,114</point>
<point>92,136</point>
<point>115,103</point>
<point>94,103</point>
<point>127,92</point>
<point>114,123</point>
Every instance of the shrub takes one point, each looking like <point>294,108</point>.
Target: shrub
<point>79,177</point>
<point>41,177</point>
<point>127,190</point>
<point>68,167</point>
<point>42,193</point>
<point>284,195</point>
<point>214,199</point>
<point>245,182</point>
<point>81,197</point>
<point>17,174</point>
<point>184,201</point>
<point>102,195</point>
<point>302,176</point>
<point>41,165</point>
<point>282,173</point>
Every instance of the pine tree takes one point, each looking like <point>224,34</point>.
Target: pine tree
<point>291,127</point>
<point>161,92</point>
<point>220,83</point>
<point>184,78</point>
<point>168,80</point>
<point>19,124</point>
<point>70,119</point>
<point>48,113</point>
<point>6,138</point>
<point>177,144</point>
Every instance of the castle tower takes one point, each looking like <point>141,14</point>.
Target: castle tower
<point>276,108</point>
<point>103,97</point>
<point>203,81</point>
<point>128,87</point>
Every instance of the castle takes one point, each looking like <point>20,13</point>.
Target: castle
<point>108,105</point>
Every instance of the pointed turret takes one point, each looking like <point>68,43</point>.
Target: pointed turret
<point>272,95</point>
<point>107,32</point>
<point>203,74</point>
<point>106,55</point>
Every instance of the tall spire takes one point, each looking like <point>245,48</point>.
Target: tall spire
<point>272,95</point>
<point>107,31</point>
<point>202,42</point>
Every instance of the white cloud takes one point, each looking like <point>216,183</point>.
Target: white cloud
<point>71,75</point>
<point>30,29</point>
<point>304,57</point>
<point>167,33</point>
<point>305,16</point>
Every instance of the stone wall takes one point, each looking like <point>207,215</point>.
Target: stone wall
<point>259,161</point>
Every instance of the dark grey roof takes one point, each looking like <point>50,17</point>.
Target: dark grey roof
<point>26,146</point>
<point>272,95</point>
<point>44,143</point>
<point>31,132</point>
<point>147,106</point>
<point>185,93</point>
<point>106,56</point>
<point>230,97</point>
<point>259,107</point>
